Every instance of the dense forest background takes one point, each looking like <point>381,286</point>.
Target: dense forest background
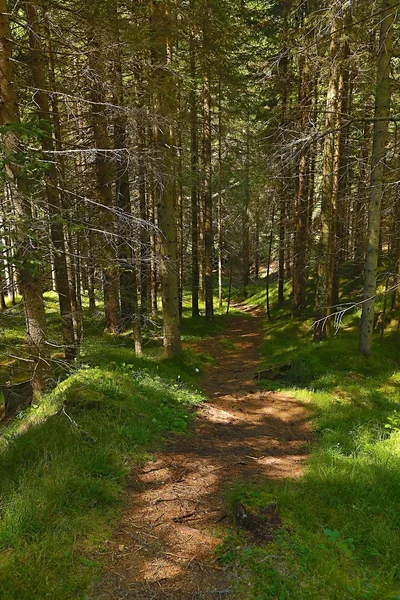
<point>199,195</point>
<point>150,148</point>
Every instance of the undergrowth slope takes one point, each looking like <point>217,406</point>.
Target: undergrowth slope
<point>341,521</point>
<point>64,464</point>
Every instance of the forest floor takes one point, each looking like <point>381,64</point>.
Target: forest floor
<point>175,514</point>
<point>127,478</point>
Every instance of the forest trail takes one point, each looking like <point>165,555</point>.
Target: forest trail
<point>174,516</point>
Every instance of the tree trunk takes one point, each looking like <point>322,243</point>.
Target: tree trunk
<point>281,254</point>
<point>327,221</point>
<point>382,103</point>
<point>246,214</point>
<point>27,254</point>
<point>91,272</point>
<point>301,223</point>
<point>65,205</point>
<point>271,239</point>
<point>219,204</point>
<point>361,199</point>
<point>160,25</point>
<point>340,162</point>
<point>130,314</point>
<point>180,232</point>
<point>153,248</point>
<point>208,217</point>
<point>282,186</point>
<point>105,178</point>
<point>194,162</point>
<point>41,100</point>
<point>144,230</point>
<point>127,274</point>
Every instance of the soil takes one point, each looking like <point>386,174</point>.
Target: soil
<point>164,546</point>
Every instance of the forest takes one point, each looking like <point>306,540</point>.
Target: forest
<point>199,299</point>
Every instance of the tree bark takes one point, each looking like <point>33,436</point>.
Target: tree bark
<point>246,213</point>
<point>327,220</point>
<point>282,185</point>
<point>105,178</point>
<point>153,248</point>
<point>361,199</point>
<point>340,160</point>
<point>219,203</point>
<point>207,175</point>
<point>144,230</point>
<point>65,205</point>
<point>27,254</point>
<point>382,106</point>
<point>180,226</point>
<point>160,25</point>
<point>301,222</point>
<point>267,282</point>
<point>194,162</point>
<point>38,68</point>
<point>208,216</point>
<point>130,313</point>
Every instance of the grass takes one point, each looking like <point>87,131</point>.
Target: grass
<point>63,473</point>
<point>341,521</point>
<point>62,481</point>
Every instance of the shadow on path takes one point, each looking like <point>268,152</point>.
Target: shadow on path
<point>164,546</point>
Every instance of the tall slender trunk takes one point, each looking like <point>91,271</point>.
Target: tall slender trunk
<point>257,239</point>
<point>161,25</point>
<point>208,216</point>
<point>38,69</point>
<point>327,239</point>
<point>219,202</point>
<point>65,205</point>
<point>282,185</point>
<point>382,103</point>
<point>127,273</point>
<point>281,254</point>
<point>4,279</point>
<point>27,253</point>
<point>130,314</point>
<point>201,238</point>
<point>361,199</point>
<point>153,247</point>
<point>246,213</point>
<point>271,239</point>
<point>105,178</point>
<point>144,230</point>
<point>127,270</point>
<point>194,161</point>
<point>180,232</point>
<point>91,272</point>
<point>311,203</point>
<point>340,160</point>
<point>301,222</point>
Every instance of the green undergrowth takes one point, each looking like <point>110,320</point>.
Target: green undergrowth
<point>62,480</point>
<point>13,346</point>
<point>340,537</point>
<point>64,464</point>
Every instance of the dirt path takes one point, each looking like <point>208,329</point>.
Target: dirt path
<point>164,545</point>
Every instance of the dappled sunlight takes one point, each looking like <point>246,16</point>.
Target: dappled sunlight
<point>175,513</point>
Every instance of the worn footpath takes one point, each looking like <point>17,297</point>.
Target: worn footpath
<point>164,546</point>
